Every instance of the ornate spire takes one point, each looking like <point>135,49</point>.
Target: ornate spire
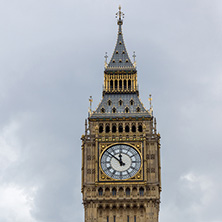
<point>120,59</point>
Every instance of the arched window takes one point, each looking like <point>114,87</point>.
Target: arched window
<point>114,110</point>
<point>127,109</point>
<point>131,102</point>
<point>121,102</point>
<point>138,109</point>
<point>107,129</point>
<point>129,84</point>
<point>114,128</point>
<point>127,191</point>
<point>101,128</point>
<point>133,128</point>
<point>120,84</point>
<point>140,128</point>
<point>114,191</point>
<point>141,191</point>
<point>111,84</point>
<point>124,82</point>
<point>102,110</point>
<point>120,128</point>
<point>126,128</point>
<point>100,191</point>
<point>121,191</point>
<point>116,84</point>
<point>109,102</point>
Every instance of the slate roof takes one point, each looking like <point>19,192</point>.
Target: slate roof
<point>120,109</point>
<point>120,59</point>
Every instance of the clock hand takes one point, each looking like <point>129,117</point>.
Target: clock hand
<point>114,157</point>
<point>121,162</point>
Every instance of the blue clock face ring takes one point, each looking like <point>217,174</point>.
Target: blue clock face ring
<point>120,161</point>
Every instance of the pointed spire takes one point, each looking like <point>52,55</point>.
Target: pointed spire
<point>120,59</point>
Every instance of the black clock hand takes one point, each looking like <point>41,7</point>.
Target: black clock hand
<point>114,157</point>
<point>121,162</point>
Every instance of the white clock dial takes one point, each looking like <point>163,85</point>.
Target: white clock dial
<point>120,161</point>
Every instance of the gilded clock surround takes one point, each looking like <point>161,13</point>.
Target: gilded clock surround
<point>102,177</point>
<point>121,118</point>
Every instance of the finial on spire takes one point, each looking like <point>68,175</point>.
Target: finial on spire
<point>134,59</point>
<point>151,107</point>
<point>106,56</point>
<point>120,14</point>
<point>90,105</point>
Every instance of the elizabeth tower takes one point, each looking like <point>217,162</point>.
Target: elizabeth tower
<point>121,148</point>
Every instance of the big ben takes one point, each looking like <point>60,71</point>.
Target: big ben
<point>121,173</point>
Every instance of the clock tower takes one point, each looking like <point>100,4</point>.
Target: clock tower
<point>120,148</point>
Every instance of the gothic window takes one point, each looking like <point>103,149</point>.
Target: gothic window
<point>152,156</point>
<point>109,102</point>
<point>127,191</point>
<point>107,192</point>
<point>101,128</point>
<point>138,109</point>
<point>128,218</point>
<point>121,102</point>
<point>120,84</point>
<point>102,110</point>
<point>114,128</point>
<point>116,84</point>
<point>117,52</point>
<point>111,84</point>
<point>120,128</point>
<point>129,84</point>
<point>124,82</point>
<point>131,102</point>
<point>121,191</point>
<point>120,60</point>
<point>140,128</point>
<point>126,128</point>
<point>113,60</point>
<point>114,191</point>
<point>114,110</point>
<point>134,191</point>
<point>127,109</point>
<point>123,52</point>
<point>114,218</point>
<point>120,42</point>
<point>127,60</point>
<point>100,191</point>
<point>133,128</point>
<point>107,219</point>
<point>107,129</point>
<point>141,191</point>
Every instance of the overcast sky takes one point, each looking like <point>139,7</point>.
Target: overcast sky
<point>52,60</point>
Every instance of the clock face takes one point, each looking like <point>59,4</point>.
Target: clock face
<point>120,161</point>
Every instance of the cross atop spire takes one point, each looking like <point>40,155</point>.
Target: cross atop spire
<point>121,15</point>
<point>120,59</point>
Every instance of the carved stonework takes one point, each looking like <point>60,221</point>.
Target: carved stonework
<point>121,149</point>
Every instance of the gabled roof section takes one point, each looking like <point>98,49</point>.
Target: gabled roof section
<point>120,59</point>
<point>120,105</point>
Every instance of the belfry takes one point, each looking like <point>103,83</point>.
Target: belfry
<point>121,173</point>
